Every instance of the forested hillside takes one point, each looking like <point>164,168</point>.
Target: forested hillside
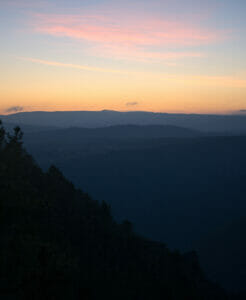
<point>58,243</point>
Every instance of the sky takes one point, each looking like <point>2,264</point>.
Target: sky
<point>182,56</point>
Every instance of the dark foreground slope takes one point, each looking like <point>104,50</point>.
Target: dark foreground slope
<point>57,243</point>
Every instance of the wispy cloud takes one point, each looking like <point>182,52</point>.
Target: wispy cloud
<point>14,109</point>
<point>132,103</point>
<point>127,37</point>
<point>219,81</point>
<point>67,65</point>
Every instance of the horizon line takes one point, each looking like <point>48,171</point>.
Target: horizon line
<point>231,113</point>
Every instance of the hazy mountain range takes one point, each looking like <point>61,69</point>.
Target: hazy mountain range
<point>93,119</point>
<point>180,185</point>
<point>183,189</point>
<point>59,243</point>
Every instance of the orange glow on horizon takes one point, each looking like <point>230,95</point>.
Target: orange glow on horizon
<point>92,88</point>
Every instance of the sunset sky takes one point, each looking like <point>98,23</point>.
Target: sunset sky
<point>160,55</point>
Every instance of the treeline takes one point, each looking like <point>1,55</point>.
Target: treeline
<point>58,243</point>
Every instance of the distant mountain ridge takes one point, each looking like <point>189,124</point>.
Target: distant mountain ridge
<point>119,131</point>
<point>27,128</point>
<point>104,118</point>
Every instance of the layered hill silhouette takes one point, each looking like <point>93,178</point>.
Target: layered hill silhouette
<point>94,119</point>
<point>58,243</point>
<point>114,132</point>
<point>174,189</point>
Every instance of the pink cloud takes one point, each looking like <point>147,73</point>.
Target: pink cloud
<point>128,37</point>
